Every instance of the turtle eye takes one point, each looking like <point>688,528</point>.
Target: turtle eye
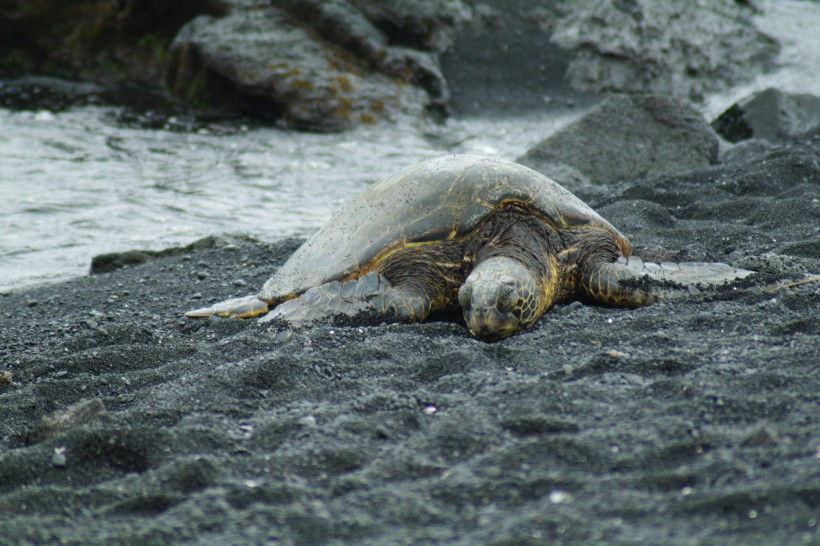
<point>506,296</point>
<point>465,296</point>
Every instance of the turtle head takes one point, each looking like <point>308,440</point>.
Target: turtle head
<point>499,297</point>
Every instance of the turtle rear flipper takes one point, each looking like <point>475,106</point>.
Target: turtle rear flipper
<point>371,293</point>
<point>631,282</point>
<point>246,307</point>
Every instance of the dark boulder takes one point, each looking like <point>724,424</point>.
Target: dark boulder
<point>628,136</point>
<point>310,64</point>
<point>101,40</point>
<point>686,48</point>
<point>770,115</point>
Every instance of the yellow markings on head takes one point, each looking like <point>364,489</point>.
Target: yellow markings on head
<point>453,232</point>
<point>283,299</point>
<point>550,284</point>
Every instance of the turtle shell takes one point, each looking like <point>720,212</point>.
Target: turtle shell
<point>442,198</point>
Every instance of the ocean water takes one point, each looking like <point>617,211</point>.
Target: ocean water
<point>78,182</point>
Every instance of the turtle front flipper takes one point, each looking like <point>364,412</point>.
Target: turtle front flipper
<point>247,307</point>
<point>631,282</point>
<point>685,273</point>
<point>609,283</point>
<point>371,293</point>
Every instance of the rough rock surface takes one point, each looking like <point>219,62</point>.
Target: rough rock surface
<point>625,137</point>
<point>687,422</point>
<point>311,64</point>
<point>333,64</point>
<point>503,61</point>
<point>257,62</point>
<point>102,40</point>
<point>770,115</point>
<point>685,48</point>
<point>519,55</point>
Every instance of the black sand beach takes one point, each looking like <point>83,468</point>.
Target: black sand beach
<point>691,421</point>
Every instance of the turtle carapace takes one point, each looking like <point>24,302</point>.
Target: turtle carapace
<point>497,239</point>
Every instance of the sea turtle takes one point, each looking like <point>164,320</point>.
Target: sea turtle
<point>500,240</point>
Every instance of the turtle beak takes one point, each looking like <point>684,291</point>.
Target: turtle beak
<point>488,324</point>
<point>482,313</point>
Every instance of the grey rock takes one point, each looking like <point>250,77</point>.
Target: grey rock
<point>629,136</point>
<point>686,48</point>
<point>421,24</point>
<point>520,55</point>
<point>771,115</point>
<point>311,65</point>
<point>342,24</point>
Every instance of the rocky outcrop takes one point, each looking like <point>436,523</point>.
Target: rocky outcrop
<point>686,48</point>
<point>626,137</point>
<point>518,55</point>
<point>102,40</point>
<point>320,65</point>
<point>334,64</point>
